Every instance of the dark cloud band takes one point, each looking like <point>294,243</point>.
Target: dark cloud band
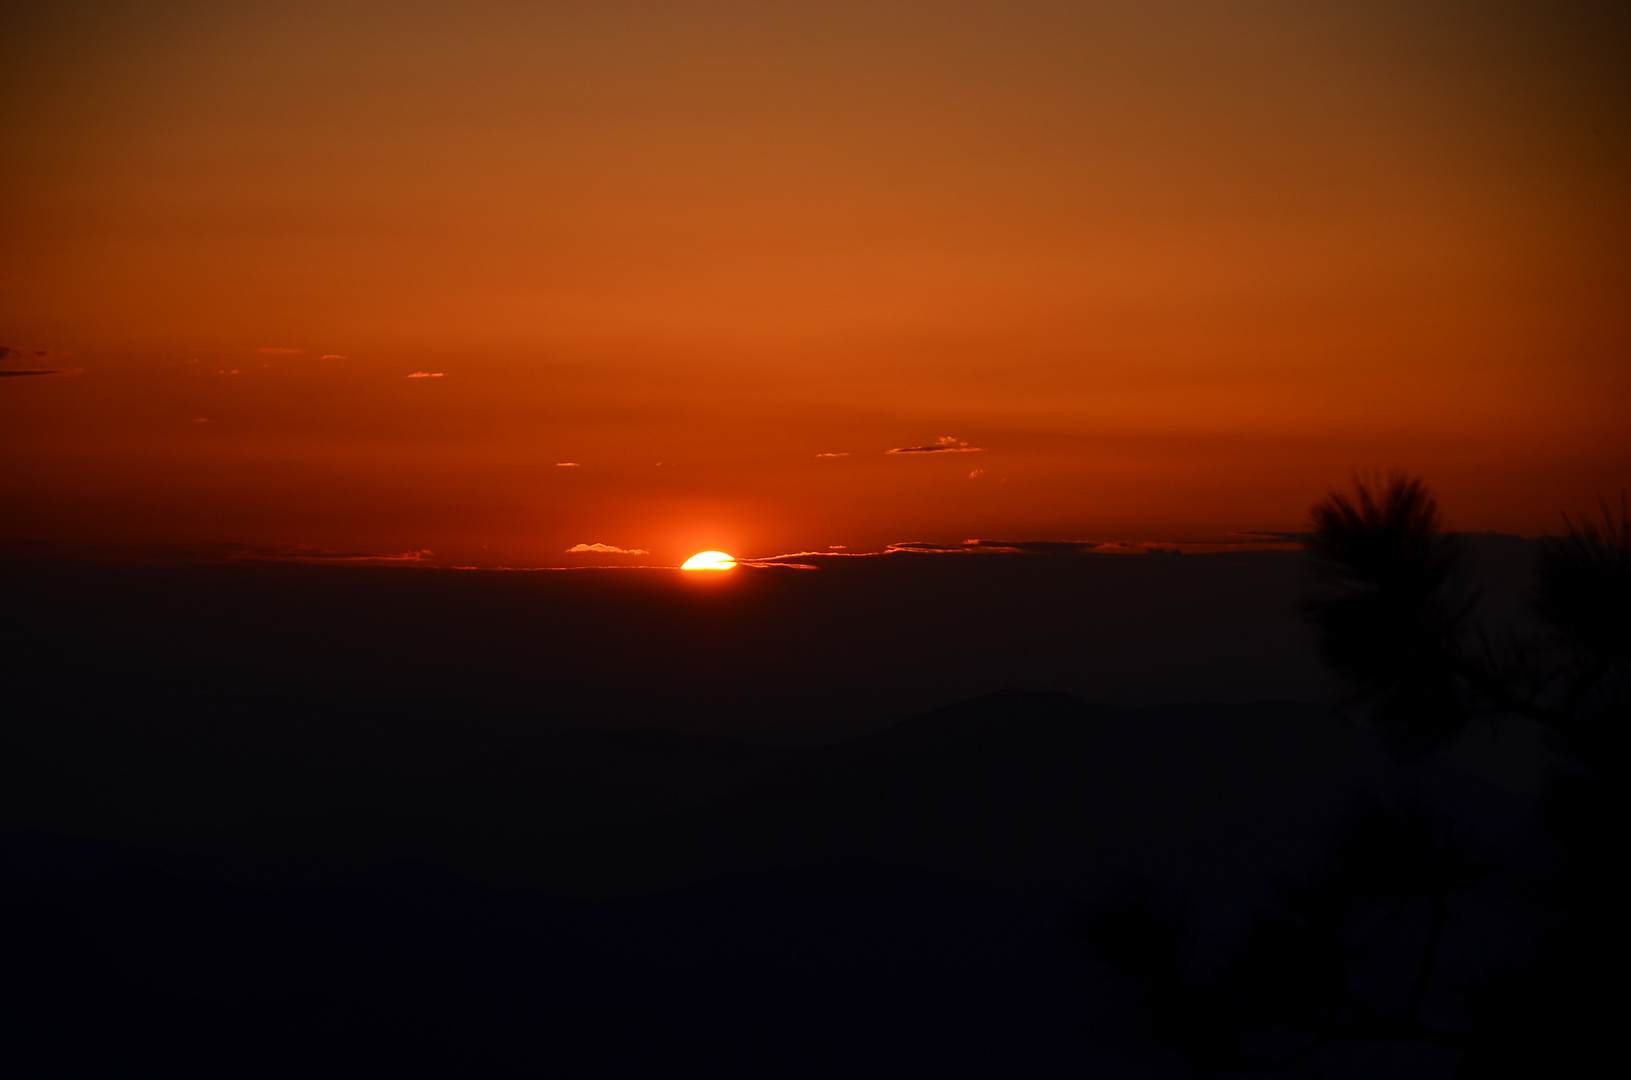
<point>946,444</point>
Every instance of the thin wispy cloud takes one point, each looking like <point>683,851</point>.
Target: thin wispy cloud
<point>279,350</point>
<point>567,465</point>
<point>842,453</point>
<point>334,356</point>
<point>946,444</point>
<point>220,553</point>
<point>1026,547</point>
<point>309,553</point>
<point>1255,542</point>
<point>35,355</point>
<point>790,561</point>
<point>605,549</point>
<point>427,375</point>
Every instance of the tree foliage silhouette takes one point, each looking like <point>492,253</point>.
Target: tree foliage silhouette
<point>1351,951</point>
<point>1585,596</point>
<point>1387,618</point>
<point>1392,617</point>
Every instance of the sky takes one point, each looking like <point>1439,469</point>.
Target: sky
<point>491,281</point>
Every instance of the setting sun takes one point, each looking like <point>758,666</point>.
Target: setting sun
<point>708,560</point>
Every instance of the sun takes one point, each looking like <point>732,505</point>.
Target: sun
<point>708,560</point>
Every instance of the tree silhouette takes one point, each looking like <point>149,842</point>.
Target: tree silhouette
<point>1347,951</point>
<point>1387,615</point>
<point>1351,951</point>
<point>1585,596</point>
<point>1392,617</point>
<point>1393,620</point>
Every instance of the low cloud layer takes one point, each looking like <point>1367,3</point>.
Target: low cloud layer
<point>1069,548</point>
<point>1035,547</point>
<point>312,553</point>
<point>7,353</point>
<point>212,553</point>
<point>1251,542</point>
<point>946,444</point>
<point>426,375</point>
<point>605,549</point>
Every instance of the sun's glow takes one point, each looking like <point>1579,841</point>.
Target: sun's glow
<point>708,560</point>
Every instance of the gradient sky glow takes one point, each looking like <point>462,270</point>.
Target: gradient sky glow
<point>1158,270</point>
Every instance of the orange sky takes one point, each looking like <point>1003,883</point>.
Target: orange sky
<point>1175,267</point>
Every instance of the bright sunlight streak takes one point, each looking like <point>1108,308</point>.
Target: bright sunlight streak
<point>708,560</point>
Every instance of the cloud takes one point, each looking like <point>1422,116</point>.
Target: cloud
<point>789,560</point>
<point>1021,547</point>
<point>845,453</point>
<point>334,356</point>
<point>567,465</point>
<point>976,474</point>
<point>1102,547</point>
<point>36,355</point>
<point>946,444</point>
<point>1039,547</point>
<point>221,553</point>
<point>309,553</point>
<point>426,375</point>
<point>278,350</point>
<point>1033,547</point>
<point>606,549</point>
<point>1059,548</point>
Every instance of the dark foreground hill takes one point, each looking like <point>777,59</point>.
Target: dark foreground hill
<point>226,891</point>
<point>771,655</point>
<point>1030,793</point>
<point>775,656</point>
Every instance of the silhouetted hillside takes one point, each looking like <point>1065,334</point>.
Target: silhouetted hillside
<point>337,871</point>
<point>778,656</point>
<point>1039,794</point>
